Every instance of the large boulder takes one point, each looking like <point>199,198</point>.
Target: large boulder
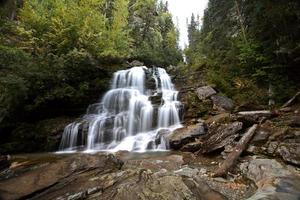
<point>290,151</point>
<point>274,181</point>
<point>185,135</point>
<point>222,103</point>
<point>205,92</point>
<point>220,135</point>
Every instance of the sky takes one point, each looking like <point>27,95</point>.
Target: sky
<point>183,9</point>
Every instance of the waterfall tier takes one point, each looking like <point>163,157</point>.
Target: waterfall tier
<point>140,103</point>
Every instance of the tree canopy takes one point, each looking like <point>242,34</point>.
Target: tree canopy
<point>57,56</point>
<point>248,48</point>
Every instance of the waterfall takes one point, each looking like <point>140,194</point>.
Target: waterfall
<point>141,102</point>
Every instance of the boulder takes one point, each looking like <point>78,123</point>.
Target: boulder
<point>205,92</point>
<point>217,119</point>
<point>220,135</point>
<point>290,152</point>
<point>222,103</point>
<point>274,181</point>
<point>182,136</point>
<point>193,146</point>
<point>136,63</point>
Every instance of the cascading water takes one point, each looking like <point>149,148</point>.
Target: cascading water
<point>140,103</point>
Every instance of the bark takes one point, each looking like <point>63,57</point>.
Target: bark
<point>291,101</point>
<point>237,151</point>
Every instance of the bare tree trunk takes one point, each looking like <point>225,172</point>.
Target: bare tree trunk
<point>241,21</point>
<point>237,151</point>
<point>291,101</point>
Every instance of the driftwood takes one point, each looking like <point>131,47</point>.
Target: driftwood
<point>291,101</point>
<point>237,151</point>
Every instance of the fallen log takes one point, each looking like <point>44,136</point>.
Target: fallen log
<point>257,112</point>
<point>255,117</point>
<point>235,154</point>
<point>291,101</point>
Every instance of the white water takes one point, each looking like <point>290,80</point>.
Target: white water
<point>126,119</point>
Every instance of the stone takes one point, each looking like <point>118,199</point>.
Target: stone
<point>185,135</point>
<point>290,152</point>
<point>41,178</point>
<point>272,147</point>
<point>192,147</point>
<point>274,181</point>
<point>220,135</point>
<point>136,63</point>
<point>188,172</point>
<point>162,186</point>
<point>222,103</point>
<point>220,118</point>
<point>205,92</point>
<point>295,121</point>
<point>261,135</point>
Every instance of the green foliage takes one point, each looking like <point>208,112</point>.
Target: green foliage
<point>154,33</point>
<point>248,47</point>
<point>52,54</point>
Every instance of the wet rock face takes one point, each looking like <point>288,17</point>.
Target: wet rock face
<point>162,134</point>
<point>273,180</point>
<point>182,136</point>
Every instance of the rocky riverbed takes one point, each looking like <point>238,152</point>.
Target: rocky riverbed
<point>157,175</point>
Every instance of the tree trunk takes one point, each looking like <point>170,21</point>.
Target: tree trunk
<point>291,101</point>
<point>237,151</point>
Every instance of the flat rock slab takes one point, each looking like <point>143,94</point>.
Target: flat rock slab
<point>182,136</point>
<point>37,180</point>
